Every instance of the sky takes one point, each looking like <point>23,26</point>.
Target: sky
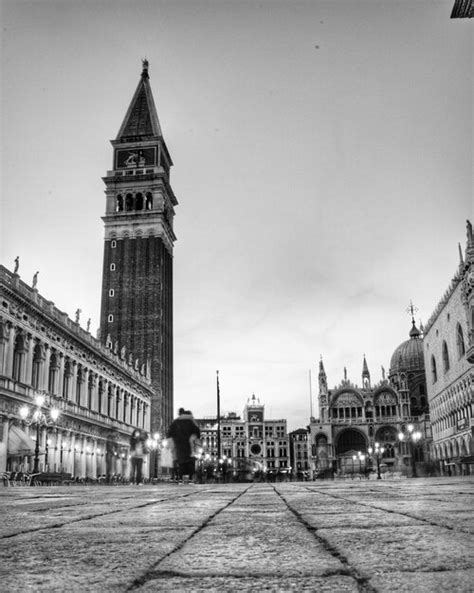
<point>322,164</point>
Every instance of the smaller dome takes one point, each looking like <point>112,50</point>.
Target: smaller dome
<point>409,355</point>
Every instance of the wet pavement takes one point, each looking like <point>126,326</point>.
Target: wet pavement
<point>388,535</point>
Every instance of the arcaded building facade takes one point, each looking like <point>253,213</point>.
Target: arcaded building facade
<point>101,394</point>
<point>449,361</point>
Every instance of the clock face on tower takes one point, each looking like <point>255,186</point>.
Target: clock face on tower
<point>131,158</point>
<point>255,417</point>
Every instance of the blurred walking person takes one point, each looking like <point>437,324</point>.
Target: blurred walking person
<point>184,432</point>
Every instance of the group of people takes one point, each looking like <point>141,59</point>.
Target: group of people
<point>183,439</point>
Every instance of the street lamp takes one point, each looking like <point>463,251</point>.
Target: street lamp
<point>154,443</point>
<point>39,418</point>
<point>412,436</point>
<point>377,452</point>
<point>361,460</point>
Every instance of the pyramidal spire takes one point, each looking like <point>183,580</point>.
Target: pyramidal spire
<point>365,374</point>
<point>141,120</point>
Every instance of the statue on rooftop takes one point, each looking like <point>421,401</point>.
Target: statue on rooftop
<point>35,279</point>
<point>17,264</point>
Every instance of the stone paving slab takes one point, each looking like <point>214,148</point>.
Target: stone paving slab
<point>231,584</point>
<point>380,550</point>
<point>425,582</point>
<point>366,519</point>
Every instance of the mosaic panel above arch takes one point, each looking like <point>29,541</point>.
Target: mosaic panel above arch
<point>386,434</point>
<point>385,398</point>
<point>346,399</point>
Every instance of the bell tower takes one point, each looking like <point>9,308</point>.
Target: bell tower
<point>137,283</point>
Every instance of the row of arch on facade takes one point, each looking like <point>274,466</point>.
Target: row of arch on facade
<point>454,448</point>
<point>452,409</point>
<point>445,355</point>
<point>81,456</point>
<point>354,440</point>
<point>131,202</point>
<point>35,363</point>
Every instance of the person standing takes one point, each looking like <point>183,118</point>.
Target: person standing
<point>138,452</point>
<point>183,430</point>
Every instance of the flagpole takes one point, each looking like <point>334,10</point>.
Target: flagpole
<point>218,418</point>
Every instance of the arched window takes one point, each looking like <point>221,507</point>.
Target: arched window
<point>100,396</point>
<point>149,201</point>
<point>53,372</point>
<point>139,202</point>
<point>79,382</point>
<point>36,373</point>
<point>109,401</point>
<point>90,391</point>
<point>119,203</point>
<point>434,372</point>
<point>67,378</point>
<point>445,357</point>
<point>129,203</point>
<point>19,354</point>
<point>460,341</point>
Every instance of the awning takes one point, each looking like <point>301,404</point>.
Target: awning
<point>19,443</point>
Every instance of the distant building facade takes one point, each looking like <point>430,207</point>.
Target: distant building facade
<point>449,361</point>
<point>102,395</point>
<point>257,447</point>
<point>299,454</point>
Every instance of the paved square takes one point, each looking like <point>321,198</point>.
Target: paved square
<point>407,535</point>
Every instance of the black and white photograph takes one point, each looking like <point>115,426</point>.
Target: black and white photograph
<point>236,296</point>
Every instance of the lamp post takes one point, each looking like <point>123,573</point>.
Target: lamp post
<point>154,443</point>
<point>39,416</point>
<point>411,436</point>
<point>377,452</point>
<point>361,457</point>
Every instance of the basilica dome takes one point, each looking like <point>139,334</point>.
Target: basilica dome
<point>409,355</point>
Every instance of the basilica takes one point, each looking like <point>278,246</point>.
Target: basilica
<point>359,423</point>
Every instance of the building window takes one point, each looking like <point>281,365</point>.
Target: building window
<point>460,341</point>
<point>113,244</point>
<point>37,367</point>
<point>90,391</point>
<point>67,378</point>
<point>53,372</point>
<point>110,318</point>
<point>445,357</point>
<point>112,267</point>
<point>111,292</point>
<point>434,372</point>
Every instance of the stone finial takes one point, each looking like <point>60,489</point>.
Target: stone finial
<point>469,231</point>
<point>145,68</point>
<point>89,324</point>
